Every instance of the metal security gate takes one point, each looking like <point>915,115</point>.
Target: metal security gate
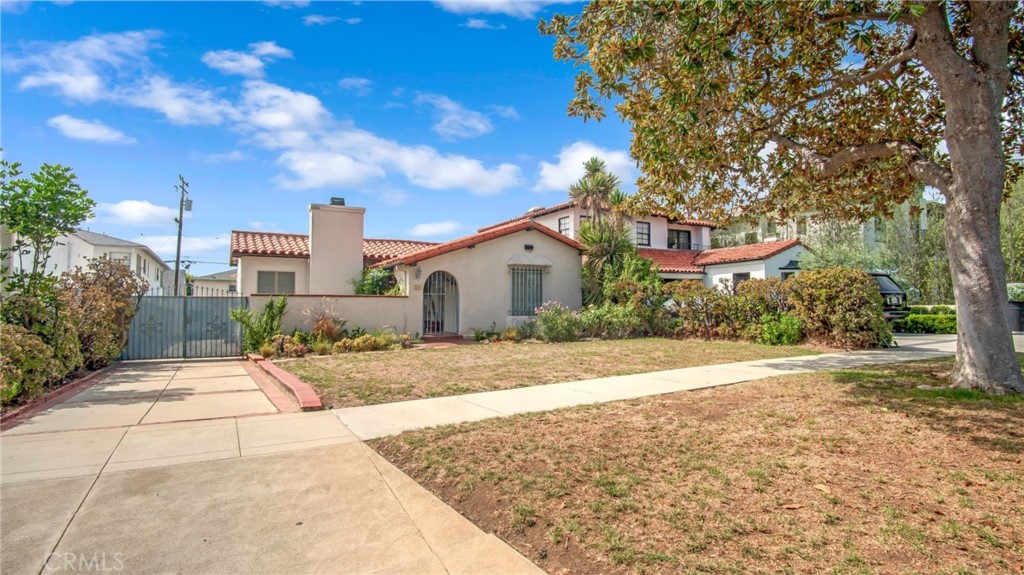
<point>440,304</point>
<point>170,327</point>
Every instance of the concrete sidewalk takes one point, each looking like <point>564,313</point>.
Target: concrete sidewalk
<point>374,421</point>
<point>97,483</point>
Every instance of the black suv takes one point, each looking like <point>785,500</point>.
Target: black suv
<point>894,299</point>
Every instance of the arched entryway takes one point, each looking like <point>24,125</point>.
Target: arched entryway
<point>440,304</point>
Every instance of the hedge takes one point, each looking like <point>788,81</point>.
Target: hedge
<point>927,323</point>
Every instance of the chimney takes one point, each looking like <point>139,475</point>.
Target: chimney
<point>335,247</point>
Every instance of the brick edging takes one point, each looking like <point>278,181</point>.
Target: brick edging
<point>16,416</point>
<point>301,392</point>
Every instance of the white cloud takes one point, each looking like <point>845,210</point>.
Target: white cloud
<point>433,229</point>
<point>181,104</point>
<point>276,108</point>
<point>220,157</point>
<point>505,111</point>
<point>318,20</point>
<point>191,246</point>
<point>313,170</point>
<point>287,4</point>
<point>361,86</point>
<point>569,168</point>
<point>353,20</point>
<point>391,197</point>
<point>516,8</point>
<point>481,24</point>
<point>75,69</point>
<point>454,120</point>
<point>90,131</point>
<point>137,213</point>
<point>15,6</point>
<point>249,64</point>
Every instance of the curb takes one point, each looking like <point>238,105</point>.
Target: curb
<point>48,400</point>
<point>303,394</point>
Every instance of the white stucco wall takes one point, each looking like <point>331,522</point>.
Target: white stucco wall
<point>248,266</point>
<point>72,251</point>
<point>659,228</point>
<point>370,312</point>
<point>335,248</point>
<point>482,274</point>
<point>757,268</point>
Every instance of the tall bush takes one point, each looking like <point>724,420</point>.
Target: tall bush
<point>702,310</point>
<point>27,364</point>
<point>557,323</point>
<point>100,301</point>
<point>840,307</point>
<point>47,319</point>
<point>259,327</point>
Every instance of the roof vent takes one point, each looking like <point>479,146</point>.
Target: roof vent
<point>337,201</point>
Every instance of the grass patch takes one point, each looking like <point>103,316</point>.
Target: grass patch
<point>371,378</point>
<point>848,472</point>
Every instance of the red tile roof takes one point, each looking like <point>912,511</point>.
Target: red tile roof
<point>268,244</point>
<point>297,246</point>
<point>536,213</point>
<point>478,238</point>
<point>745,253</point>
<point>673,261</point>
<point>376,251</point>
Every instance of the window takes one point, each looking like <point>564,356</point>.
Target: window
<point>527,289</point>
<point>679,240</point>
<point>563,225</point>
<point>737,279</point>
<point>771,228</point>
<point>231,288</point>
<point>275,282</point>
<point>643,233</point>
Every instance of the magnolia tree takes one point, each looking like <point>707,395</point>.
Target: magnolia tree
<point>837,108</point>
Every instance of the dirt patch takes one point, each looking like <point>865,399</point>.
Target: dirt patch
<point>853,472</point>
<point>370,378</point>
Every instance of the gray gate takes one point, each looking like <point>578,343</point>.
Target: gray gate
<point>170,327</point>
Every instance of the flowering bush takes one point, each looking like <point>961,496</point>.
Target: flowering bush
<point>557,323</point>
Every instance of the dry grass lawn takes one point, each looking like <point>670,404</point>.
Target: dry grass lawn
<point>369,378</point>
<point>849,472</point>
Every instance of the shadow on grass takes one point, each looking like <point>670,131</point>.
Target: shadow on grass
<point>990,421</point>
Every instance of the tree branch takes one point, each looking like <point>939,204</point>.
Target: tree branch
<point>922,168</point>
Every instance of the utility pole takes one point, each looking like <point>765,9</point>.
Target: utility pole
<point>184,204</point>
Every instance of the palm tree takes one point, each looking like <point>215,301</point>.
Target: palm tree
<point>593,192</point>
<point>606,244</point>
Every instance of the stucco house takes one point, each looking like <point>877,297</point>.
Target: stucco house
<point>495,277</point>
<point>220,283</point>
<point>77,249</point>
<point>682,247</point>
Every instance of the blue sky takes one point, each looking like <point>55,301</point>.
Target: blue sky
<point>439,118</point>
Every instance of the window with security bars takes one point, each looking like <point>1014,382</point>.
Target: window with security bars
<point>275,282</point>
<point>527,289</point>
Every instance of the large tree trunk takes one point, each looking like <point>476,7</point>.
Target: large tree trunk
<point>973,89</point>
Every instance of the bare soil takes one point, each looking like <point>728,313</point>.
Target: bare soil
<point>848,472</point>
<point>382,377</point>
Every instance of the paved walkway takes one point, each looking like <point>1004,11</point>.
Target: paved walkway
<point>373,421</point>
<point>165,467</point>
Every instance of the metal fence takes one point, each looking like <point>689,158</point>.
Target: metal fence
<point>170,327</point>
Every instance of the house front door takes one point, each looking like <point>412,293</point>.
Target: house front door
<point>440,304</point>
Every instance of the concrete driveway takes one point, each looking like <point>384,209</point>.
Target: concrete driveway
<point>166,467</point>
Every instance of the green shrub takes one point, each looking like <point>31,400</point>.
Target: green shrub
<point>931,310</point>
<point>299,336</point>
<point>343,345</point>
<point>781,329</point>
<point>365,342</point>
<point>557,323</point>
<point>48,321</point>
<point>511,334</point>
<point>702,310</point>
<point>930,323</point>
<point>840,307</point>
<point>267,351</point>
<point>322,347</point>
<point>1015,291</point>
<point>259,327</point>
<point>100,301</point>
<point>377,281</point>
<point>611,321</point>
<point>388,338</point>
<point>765,296</point>
<point>528,329</point>
<point>27,364</point>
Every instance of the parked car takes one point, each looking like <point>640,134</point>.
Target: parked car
<point>894,299</point>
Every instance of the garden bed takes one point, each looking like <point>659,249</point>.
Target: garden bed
<point>369,378</point>
<point>854,472</point>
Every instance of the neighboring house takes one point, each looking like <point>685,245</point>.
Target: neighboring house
<point>680,248</point>
<point>220,283</point>
<point>79,248</point>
